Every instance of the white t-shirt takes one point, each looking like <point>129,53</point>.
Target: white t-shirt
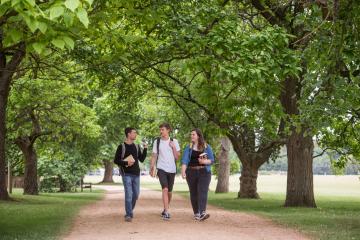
<point>166,160</point>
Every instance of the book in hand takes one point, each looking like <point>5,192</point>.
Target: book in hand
<point>129,159</point>
<point>202,157</point>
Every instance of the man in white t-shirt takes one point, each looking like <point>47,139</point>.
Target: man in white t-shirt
<point>166,151</point>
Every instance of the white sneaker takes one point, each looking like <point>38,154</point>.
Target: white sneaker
<point>204,216</point>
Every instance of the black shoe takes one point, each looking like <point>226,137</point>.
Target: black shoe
<point>128,219</point>
<point>204,216</point>
<point>166,216</point>
<point>163,213</point>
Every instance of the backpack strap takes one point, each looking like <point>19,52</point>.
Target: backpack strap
<point>122,151</point>
<point>158,149</point>
<point>122,172</point>
<point>171,140</point>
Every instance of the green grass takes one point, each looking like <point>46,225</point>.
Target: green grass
<point>45,216</point>
<point>336,217</point>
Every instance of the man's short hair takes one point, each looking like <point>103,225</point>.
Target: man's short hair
<point>128,130</point>
<point>165,125</point>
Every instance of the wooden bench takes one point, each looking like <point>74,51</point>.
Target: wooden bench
<point>85,185</point>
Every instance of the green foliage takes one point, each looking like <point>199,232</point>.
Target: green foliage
<point>41,23</point>
<point>62,173</point>
<point>190,63</point>
<point>226,77</point>
<point>59,113</point>
<point>68,129</point>
<point>329,99</point>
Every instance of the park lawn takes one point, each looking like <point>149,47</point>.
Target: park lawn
<point>336,217</point>
<point>46,216</point>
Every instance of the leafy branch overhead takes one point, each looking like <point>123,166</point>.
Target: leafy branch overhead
<point>40,23</point>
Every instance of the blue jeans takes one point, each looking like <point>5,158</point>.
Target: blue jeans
<point>132,190</point>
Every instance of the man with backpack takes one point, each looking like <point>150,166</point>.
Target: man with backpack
<point>163,164</point>
<point>127,157</point>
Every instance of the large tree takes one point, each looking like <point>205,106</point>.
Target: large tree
<point>228,73</point>
<point>320,30</point>
<point>36,111</point>
<point>26,27</point>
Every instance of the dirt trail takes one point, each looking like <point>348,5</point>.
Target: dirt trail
<point>105,220</point>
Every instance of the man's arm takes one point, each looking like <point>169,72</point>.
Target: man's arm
<point>175,151</point>
<point>142,154</point>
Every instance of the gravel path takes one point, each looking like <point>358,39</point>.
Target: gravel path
<point>104,220</point>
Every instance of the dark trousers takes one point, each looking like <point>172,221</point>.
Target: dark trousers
<point>198,181</point>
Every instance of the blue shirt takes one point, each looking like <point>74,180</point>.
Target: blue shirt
<point>187,155</point>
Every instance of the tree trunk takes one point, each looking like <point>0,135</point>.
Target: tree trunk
<point>7,70</point>
<point>3,191</point>
<point>251,162</point>
<point>62,184</point>
<point>300,189</point>
<point>9,178</point>
<point>108,175</point>
<point>224,167</point>
<point>248,181</point>
<point>30,176</point>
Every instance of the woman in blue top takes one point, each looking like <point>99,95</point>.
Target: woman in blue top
<point>196,168</point>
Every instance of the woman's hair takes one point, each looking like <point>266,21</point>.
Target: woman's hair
<point>201,141</point>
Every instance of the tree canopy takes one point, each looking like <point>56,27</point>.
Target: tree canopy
<point>265,74</point>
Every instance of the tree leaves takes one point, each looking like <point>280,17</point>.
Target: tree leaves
<point>58,42</point>
<point>15,34</point>
<point>49,23</point>
<point>42,27</point>
<point>39,47</point>
<point>69,42</point>
<point>83,17</point>
<point>72,4</point>
<point>31,2</point>
<point>5,1</point>
<point>56,12</point>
